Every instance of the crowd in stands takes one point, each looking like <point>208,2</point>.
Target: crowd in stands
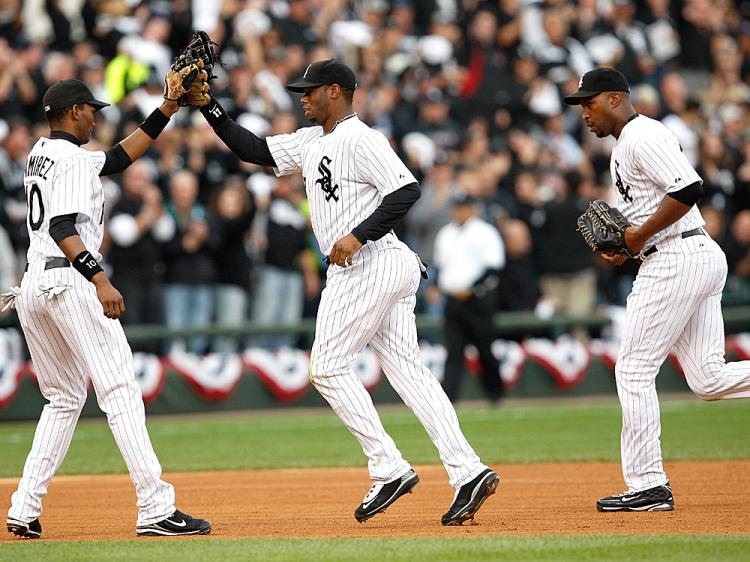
<point>468,91</point>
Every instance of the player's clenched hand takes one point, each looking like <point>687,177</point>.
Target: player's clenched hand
<point>343,251</point>
<point>113,304</point>
<point>613,258</point>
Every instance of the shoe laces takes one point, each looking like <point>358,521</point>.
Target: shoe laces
<point>374,491</point>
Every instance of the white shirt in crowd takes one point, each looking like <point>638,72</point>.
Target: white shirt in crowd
<point>463,253</point>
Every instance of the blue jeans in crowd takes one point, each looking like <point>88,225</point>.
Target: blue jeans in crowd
<point>278,300</point>
<point>189,306</point>
<point>231,305</point>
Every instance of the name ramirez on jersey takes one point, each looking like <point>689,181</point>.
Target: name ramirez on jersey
<point>39,166</point>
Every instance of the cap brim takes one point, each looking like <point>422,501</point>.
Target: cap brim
<point>575,99</point>
<point>98,104</point>
<point>301,86</point>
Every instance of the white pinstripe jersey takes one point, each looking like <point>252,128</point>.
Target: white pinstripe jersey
<point>62,178</point>
<point>346,173</point>
<point>648,163</point>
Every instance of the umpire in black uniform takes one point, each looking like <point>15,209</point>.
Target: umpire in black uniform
<point>469,255</point>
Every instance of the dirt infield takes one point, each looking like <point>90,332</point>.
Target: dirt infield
<point>713,497</point>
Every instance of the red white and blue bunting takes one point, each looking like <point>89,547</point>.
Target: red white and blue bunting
<point>284,372</point>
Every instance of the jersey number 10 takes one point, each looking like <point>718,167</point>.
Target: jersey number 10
<point>35,199</point>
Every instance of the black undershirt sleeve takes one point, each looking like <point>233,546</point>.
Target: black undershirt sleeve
<point>117,160</point>
<point>242,142</point>
<point>689,195</point>
<point>392,209</point>
<point>62,226</point>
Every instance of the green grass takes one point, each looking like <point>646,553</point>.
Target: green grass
<point>511,434</point>
<point>472,549</point>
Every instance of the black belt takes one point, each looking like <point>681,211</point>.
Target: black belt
<point>53,263</point>
<point>686,234</point>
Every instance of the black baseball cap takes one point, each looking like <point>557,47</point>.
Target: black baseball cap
<point>65,93</point>
<point>322,72</point>
<point>602,79</point>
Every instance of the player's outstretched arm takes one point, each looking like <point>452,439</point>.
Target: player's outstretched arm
<point>243,143</point>
<point>176,84</point>
<point>140,140</point>
<point>125,152</point>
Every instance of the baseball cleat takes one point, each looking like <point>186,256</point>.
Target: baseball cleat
<point>658,498</point>
<point>32,530</point>
<point>381,496</point>
<point>176,525</point>
<point>470,497</point>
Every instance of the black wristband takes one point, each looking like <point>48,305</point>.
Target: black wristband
<point>154,123</point>
<point>87,265</point>
<point>214,113</point>
<point>358,233</point>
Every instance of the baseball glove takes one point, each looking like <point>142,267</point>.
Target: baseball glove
<point>188,78</point>
<point>603,229</point>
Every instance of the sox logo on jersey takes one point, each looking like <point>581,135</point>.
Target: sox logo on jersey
<point>347,173</point>
<point>621,187</point>
<point>324,181</point>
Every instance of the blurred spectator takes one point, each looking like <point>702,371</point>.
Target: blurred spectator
<point>523,95</point>
<point>518,289</point>
<point>428,215</point>
<point>682,115</point>
<point>190,269</point>
<point>715,167</point>
<point>287,263</point>
<point>434,120</point>
<point>234,211</point>
<point>560,53</point>
<point>646,100</point>
<point>485,62</point>
<point>432,210</point>
<point>568,153</point>
<point>726,83</point>
<point>661,32</point>
<point>138,227</point>
<point>567,271</point>
<point>469,255</point>
<point>742,179</point>
<point>715,220</point>
<point>15,143</point>
<point>17,87</point>
<point>636,62</point>
<point>7,263</point>
<point>738,246</point>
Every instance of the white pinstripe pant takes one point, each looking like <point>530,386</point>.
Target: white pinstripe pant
<point>675,306</point>
<point>373,302</point>
<point>69,338</point>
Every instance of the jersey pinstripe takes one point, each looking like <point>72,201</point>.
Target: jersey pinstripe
<point>346,172</point>
<point>648,163</point>
<point>62,178</point>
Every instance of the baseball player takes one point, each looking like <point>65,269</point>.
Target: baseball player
<point>675,304</point>
<point>358,189</point>
<point>69,311</point>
